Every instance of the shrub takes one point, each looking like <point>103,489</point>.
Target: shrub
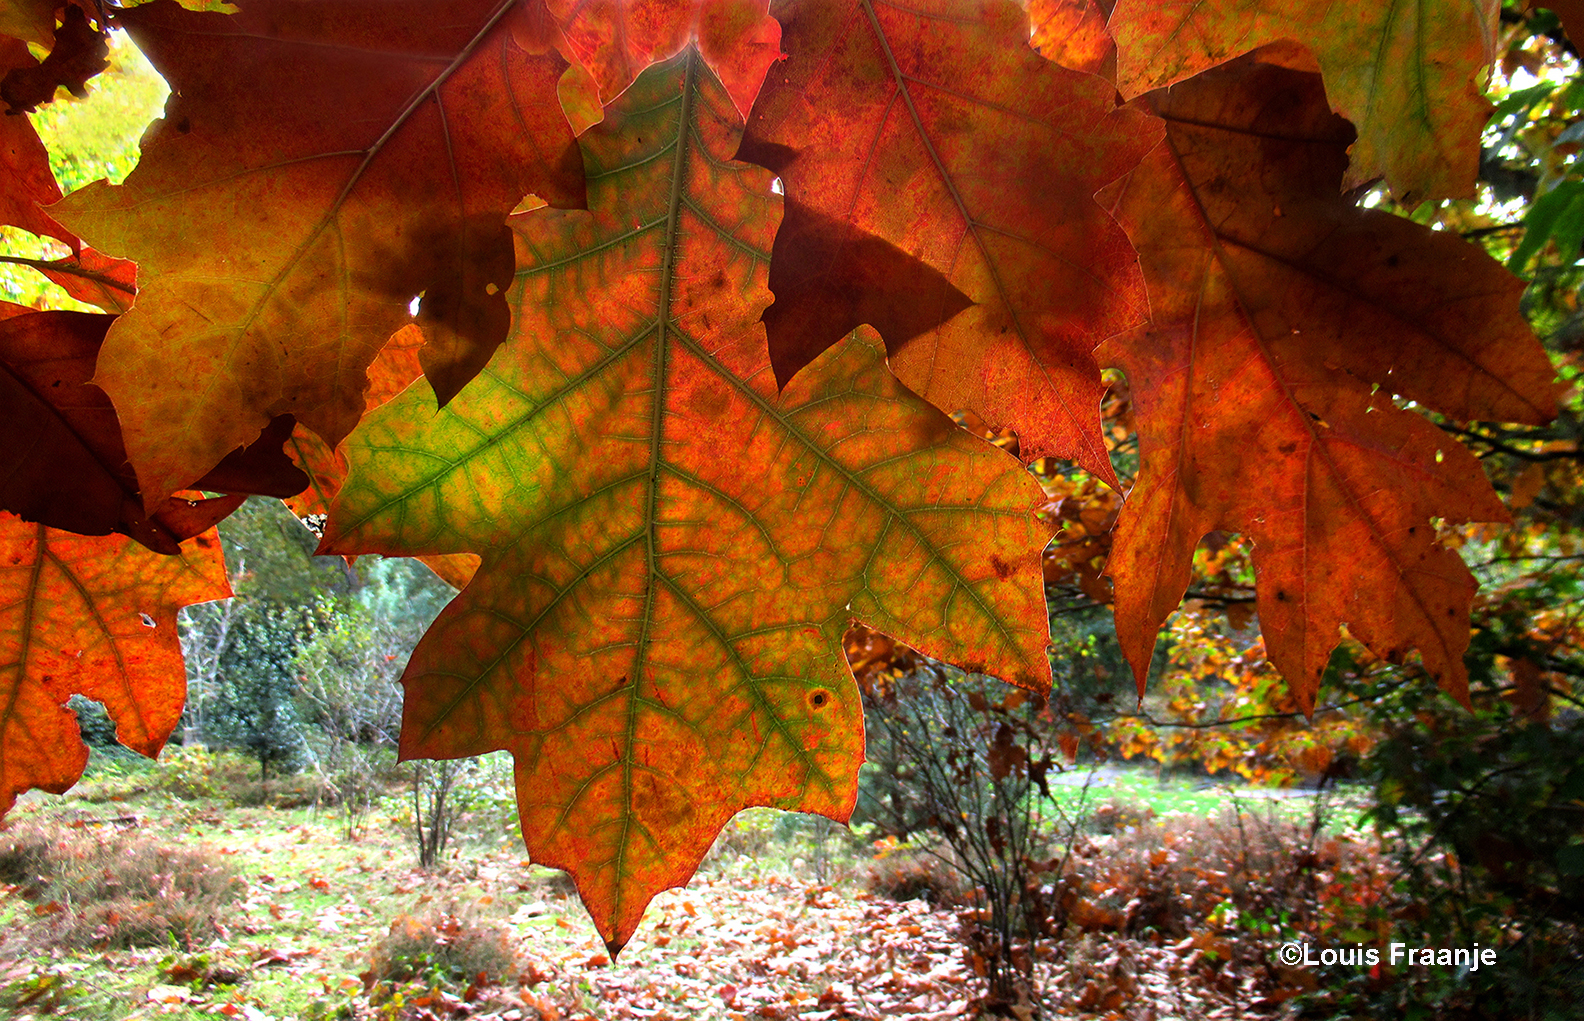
<point>904,872</point>
<point>442,948</point>
<point>1208,899</point>
<point>950,758</point>
<point>1481,816</point>
<point>117,889</point>
<point>1249,877</point>
<point>193,772</point>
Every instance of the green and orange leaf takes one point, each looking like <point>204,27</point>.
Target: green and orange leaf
<point>673,550</point>
<point>1409,75</point>
<point>393,370</point>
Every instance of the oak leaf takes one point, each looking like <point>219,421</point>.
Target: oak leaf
<point>94,278</point>
<point>29,20</point>
<point>318,166</point>
<point>939,177</point>
<point>62,461</point>
<point>616,39</point>
<point>392,371</point>
<point>672,551</point>
<point>80,51</point>
<point>1285,319</point>
<point>1408,75</point>
<point>26,182</point>
<point>1073,33</point>
<point>93,616</point>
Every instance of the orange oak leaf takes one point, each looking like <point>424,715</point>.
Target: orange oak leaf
<point>80,51</point>
<point>62,461</point>
<point>1073,34</point>
<point>318,166</point>
<point>93,616</point>
<point>616,39</point>
<point>936,131</point>
<point>672,551</point>
<point>1285,319</point>
<point>94,278</point>
<point>1410,76</point>
<point>26,182</point>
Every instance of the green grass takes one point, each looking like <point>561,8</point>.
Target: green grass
<point>1168,795</point>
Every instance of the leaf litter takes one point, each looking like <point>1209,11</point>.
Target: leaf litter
<point>746,939</point>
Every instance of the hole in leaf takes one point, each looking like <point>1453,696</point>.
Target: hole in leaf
<point>147,620</point>
<point>818,698</point>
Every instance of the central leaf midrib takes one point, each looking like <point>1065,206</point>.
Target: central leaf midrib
<point>656,460</point>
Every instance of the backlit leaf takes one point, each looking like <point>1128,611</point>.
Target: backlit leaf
<point>939,177</point>
<point>392,371</point>
<point>29,20</point>
<point>26,182</point>
<point>93,617</point>
<point>672,551</point>
<point>1073,34</point>
<point>318,166</point>
<point>62,461</point>
<point>1285,319</point>
<point>80,52</point>
<point>95,278</point>
<point>616,39</point>
<point>1407,73</point>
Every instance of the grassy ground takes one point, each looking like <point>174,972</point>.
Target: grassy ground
<point>789,916</point>
<point>1166,796</point>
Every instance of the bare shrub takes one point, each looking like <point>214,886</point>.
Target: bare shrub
<point>116,889</point>
<point>968,766</point>
<point>436,808</point>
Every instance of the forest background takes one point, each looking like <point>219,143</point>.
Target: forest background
<point>1477,811</point>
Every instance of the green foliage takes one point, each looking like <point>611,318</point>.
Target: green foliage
<point>300,668</point>
<point>87,140</point>
<point>97,137</point>
<point>270,554</point>
<point>1484,817</point>
<point>253,704</point>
